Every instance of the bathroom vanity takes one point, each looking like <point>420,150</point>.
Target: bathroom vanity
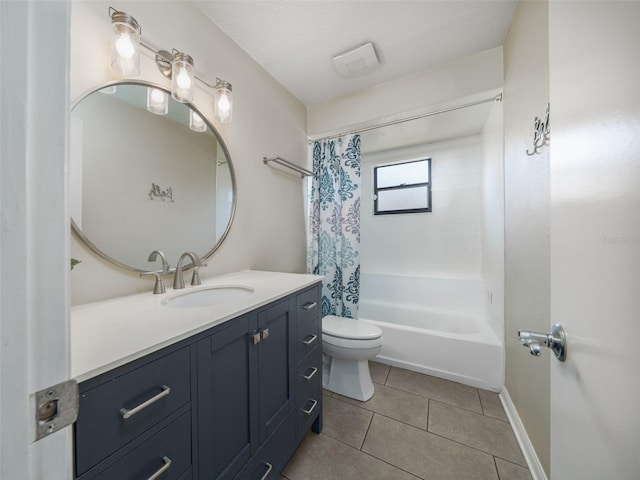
<point>221,387</point>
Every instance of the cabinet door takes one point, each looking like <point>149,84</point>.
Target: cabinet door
<point>227,399</point>
<point>275,366</point>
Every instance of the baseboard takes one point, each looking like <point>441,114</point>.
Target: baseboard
<point>530,456</point>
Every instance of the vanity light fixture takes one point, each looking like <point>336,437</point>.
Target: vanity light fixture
<point>157,101</point>
<point>125,43</point>
<point>178,66</point>
<point>196,123</point>
<point>224,101</point>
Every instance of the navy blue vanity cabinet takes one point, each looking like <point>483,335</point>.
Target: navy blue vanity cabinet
<point>245,390</point>
<point>136,420</point>
<point>231,402</point>
<point>308,362</point>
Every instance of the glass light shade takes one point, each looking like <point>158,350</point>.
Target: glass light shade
<point>125,44</point>
<point>108,90</point>
<point>224,101</point>
<point>196,123</point>
<point>182,78</point>
<point>157,101</point>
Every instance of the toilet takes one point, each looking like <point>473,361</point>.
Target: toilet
<point>347,346</point>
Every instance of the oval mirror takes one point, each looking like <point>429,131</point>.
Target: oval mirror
<point>141,181</point>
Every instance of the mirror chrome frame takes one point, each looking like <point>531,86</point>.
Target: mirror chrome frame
<point>88,243</point>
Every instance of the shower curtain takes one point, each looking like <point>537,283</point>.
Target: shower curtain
<point>334,225</point>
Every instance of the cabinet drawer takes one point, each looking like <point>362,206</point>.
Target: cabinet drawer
<point>308,305</point>
<point>309,376</point>
<point>145,396</point>
<point>168,450</point>
<point>308,337</point>
<point>274,454</point>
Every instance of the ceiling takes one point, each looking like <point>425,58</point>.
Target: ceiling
<point>294,40</point>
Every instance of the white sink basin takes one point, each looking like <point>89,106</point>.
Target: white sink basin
<point>207,296</point>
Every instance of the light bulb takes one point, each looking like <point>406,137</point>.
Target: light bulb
<point>224,101</point>
<point>224,105</point>
<point>157,95</point>
<point>183,79</point>
<point>157,101</point>
<point>125,47</point>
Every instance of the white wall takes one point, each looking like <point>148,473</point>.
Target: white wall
<point>463,77</point>
<point>269,227</point>
<point>442,243</point>
<point>527,219</point>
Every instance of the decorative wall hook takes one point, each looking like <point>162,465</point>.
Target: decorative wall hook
<point>541,133</point>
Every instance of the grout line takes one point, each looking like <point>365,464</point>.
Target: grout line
<point>496,465</point>
<point>364,439</point>
<point>480,401</point>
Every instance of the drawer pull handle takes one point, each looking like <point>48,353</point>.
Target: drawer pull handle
<point>310,375</point>
<point>130,413</point>
<point>309,339</point>
<point>309,410</point>
<point>269,468</point>
<point>309,305</point>
<point>164,468</point>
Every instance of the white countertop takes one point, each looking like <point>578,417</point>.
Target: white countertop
<point>111,333</point>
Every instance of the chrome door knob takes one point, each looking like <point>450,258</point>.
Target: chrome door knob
<point>556,340</point>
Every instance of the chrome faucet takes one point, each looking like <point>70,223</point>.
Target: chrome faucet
<point>196,263</point>
<point>159,285</point>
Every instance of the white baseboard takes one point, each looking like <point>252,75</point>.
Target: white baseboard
<point>530,456</point>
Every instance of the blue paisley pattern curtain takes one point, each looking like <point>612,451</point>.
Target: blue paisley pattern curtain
<point>334,236</point>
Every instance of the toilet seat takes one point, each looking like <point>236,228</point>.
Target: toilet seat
<point>349,329</point>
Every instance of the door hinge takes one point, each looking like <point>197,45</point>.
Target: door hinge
<point>56,408</point>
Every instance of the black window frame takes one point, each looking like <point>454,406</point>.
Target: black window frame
<point>400,187</point>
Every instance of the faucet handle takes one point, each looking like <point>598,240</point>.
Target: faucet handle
<point>153,257</point>
<point>158,287</point>
<point>195,278</point>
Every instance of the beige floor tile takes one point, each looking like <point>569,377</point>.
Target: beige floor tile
<point>477,431</point>
<point>400,405</point>
<point>320,457</point>
<point>437,388</point>
<point>345,422</point>
<point>379,372</point>
<point>327,393</point>
<point>424,454</point>
<point>511,471</point>
<point>491,405</point>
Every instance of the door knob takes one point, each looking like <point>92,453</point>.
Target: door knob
<point>556,340</point>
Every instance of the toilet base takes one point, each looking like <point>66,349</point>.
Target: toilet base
<point>350,378</point>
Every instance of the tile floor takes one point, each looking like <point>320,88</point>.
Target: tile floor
<point>414,427</point>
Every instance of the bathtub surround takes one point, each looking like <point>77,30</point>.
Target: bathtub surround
<point>334,224</point>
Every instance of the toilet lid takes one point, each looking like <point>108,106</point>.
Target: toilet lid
<point>349,328</point>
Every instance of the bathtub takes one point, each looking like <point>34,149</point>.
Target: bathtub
<point>434,326</point>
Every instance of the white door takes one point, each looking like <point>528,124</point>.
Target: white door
<point>34,253</point>
<point>595,238</point>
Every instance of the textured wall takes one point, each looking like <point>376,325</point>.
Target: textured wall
<point>527,295</point>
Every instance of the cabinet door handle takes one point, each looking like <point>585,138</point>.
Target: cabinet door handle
<point>266,474</point>
<point>256,338</point>
<point>130,413</point>
<point>265,334</point>
<point>164,468</point>
<point>309,339</point>
<point>309,305</point>
<point>310,375</point>
<point>309,410</point>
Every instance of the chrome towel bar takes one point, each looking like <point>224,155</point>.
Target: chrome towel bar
<point>286,163</point>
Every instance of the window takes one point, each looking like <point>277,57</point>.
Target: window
<point>402,187</point>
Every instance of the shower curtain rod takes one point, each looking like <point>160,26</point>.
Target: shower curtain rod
<point>496,98</point>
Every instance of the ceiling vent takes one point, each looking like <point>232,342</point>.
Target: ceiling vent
<point>357,61</point>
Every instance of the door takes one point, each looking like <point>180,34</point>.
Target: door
<point>227,399</point>
<point>595,238</point>
<point>275,352</point>
<point>34,241</point>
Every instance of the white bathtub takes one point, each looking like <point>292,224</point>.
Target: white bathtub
<point>434,326</point>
